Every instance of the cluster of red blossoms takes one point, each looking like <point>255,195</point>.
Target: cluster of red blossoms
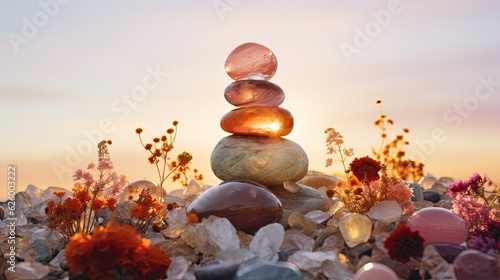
<point>404,244</point>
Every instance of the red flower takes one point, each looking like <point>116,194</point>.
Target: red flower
<point>365,169</point>
<point>403,244</point>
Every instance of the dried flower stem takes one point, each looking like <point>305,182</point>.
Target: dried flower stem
<point>334,143</point>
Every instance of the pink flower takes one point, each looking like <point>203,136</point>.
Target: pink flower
<point>471,210</point>
<point>78,174</point>
<point>484,244</point>
<point>104,164</point>
<point>472,186</point>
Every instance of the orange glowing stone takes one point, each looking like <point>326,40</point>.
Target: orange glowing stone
<point>251,60</point>
<point>254,92</point>
<point>258,121</point>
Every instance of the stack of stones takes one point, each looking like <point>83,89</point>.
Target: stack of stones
<point>256,151</point>
<point>255,155</point>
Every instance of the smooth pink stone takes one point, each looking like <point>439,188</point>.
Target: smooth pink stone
<point>258,121</point>
<point>373,271</point>
<point>251,59</point>
<point>436,224</point>
<point>473,264</point>
<point>254,93</point>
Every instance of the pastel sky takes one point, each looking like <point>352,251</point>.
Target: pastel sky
<point>69,71</point>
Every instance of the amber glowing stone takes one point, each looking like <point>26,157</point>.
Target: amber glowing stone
<point>251,59</point>
<point>246,204</point>
<point>258,121</point>
<point>254,93</point>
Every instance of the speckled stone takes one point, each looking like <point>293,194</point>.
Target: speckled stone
<point>267,160</point>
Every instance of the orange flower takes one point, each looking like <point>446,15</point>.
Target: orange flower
<point>73,207</point>
<point>111,203</point>
<point>82,195</point>
<point>192,218</point>
<point>59,193</point>
<point>115,248</point>
<point>139,212</point>
<point>98,204</point>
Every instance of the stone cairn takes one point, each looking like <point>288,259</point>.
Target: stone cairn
<point>256,151</point>
<point>255,161</point>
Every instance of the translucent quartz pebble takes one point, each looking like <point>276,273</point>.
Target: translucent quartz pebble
<point>180,269</point>
<point>23,202</point>
<point>335,270</point>
<point>427,181</point>
<point>472,264</point>
<point>299,222</point>
<point>317,216</point>
<point>35,194</point>
<point>387,211</point>
<point>212,235</point>
<point>173,231</point>
<point>355,228</point>
<point>312,261</point>
<point>247,205</point>
<point>372,271</point>
<point>267,241</point>
<point>437,224</point>
<point>296,241</point>
<point>258,121</point>
<point>254,92</point>
<point>250,59</point>
<point>176,217</point>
